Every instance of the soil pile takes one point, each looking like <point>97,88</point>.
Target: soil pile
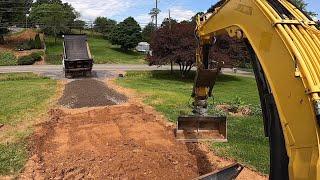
<point>122,142</point>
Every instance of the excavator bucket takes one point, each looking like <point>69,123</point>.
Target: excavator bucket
<point>201,128</point>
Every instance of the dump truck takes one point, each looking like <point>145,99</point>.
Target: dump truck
<point>77,59</point>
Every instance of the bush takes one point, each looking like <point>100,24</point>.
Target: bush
<point>31,43</point>
<point>24,46</point>
<point>7,59</point>
<point>37,56</point>
<point>26,60</point>
<point>37,42</point>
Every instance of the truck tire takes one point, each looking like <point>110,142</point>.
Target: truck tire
<point>68,75</point>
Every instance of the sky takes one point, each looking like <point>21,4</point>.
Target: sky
<point>139,9</point>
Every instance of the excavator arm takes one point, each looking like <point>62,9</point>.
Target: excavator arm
<point>285,46</point>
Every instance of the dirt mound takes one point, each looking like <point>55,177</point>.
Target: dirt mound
<point>21,37</point>
<point>122,142</point>
<point>89,93</point>
<point>234,110</point>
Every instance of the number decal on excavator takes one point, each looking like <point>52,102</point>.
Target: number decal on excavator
<point>244,9</point>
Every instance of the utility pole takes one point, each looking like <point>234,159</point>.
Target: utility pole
<point>170,19</point>
<point>157,14</point>
<point>27,15</point>
<point>92,29</point>
<point>154,14</point>
<point>170,27</point>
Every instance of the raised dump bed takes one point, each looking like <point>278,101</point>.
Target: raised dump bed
<point>77,59</point>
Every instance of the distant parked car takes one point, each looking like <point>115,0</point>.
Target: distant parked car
<point>143,47</point>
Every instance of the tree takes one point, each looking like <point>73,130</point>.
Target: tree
<point>231,51</point>
<point>166,22</point>
<point>318,25</point>
<point>127,34</point>
<point>194,18</point>
<point>79,24</point>
<point>154,15</point>
<point>148,31</point>
<point>178,45</point>
<point>174,45</point>
<point>40,2</point>
<point>301,4</point>
<point>37,42</point>
<point>68,10</point>
<point>213,7</point>
<point>12,13</point>
<point>54,17</point>
<point>104,26</point>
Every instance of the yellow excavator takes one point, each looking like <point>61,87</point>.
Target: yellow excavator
<point>284,44</point>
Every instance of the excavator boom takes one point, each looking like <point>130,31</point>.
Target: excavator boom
<point>285,47</point>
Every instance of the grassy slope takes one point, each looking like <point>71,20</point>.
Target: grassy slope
<point>103,52</point>
<point>23,97</point>
<point>54,50</point>
<point>170,95</point>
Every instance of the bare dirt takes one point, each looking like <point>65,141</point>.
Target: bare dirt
<point>126,141</point>
<point>235,111</point>
<point>12,41</point>
<point>114,142</point>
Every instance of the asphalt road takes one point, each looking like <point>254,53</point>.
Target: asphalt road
<point>99,70</point>
<point>96,67</point>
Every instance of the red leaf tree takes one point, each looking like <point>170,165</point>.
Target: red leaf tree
<point>177,45</point>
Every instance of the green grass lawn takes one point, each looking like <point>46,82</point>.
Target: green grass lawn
<point>54,50</point>
<point>102,50</point>
<point>24,97</point>
<point>7,59</point>
<point>170,95</point>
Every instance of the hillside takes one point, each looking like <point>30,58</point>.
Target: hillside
<point>103,52</point>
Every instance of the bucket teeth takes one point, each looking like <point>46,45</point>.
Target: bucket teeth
<point>201,128</point>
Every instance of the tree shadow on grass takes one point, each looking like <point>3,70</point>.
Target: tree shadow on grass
<point>227,78</point>
<point>189,78</point>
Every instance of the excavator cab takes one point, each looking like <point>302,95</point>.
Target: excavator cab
<point>200,126</point>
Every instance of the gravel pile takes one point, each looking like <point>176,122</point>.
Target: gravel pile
<point>89,93</point>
